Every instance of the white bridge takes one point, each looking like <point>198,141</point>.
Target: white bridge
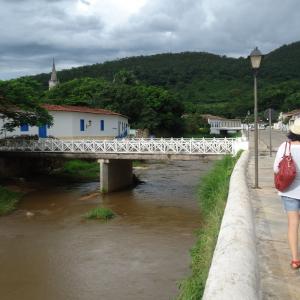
<point>115,156</point>
<point>126,147</point>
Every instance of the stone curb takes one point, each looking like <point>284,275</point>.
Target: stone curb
<point>234,269</point>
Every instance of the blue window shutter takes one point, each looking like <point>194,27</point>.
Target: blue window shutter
<point>102,125</point>
<point>81,125</point>
<point>24,127</point>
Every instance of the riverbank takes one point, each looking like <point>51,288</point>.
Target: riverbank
<point>78,170</point>
<point>212,196</point>
<point>8,200</point>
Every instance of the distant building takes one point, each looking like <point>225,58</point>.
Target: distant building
<point>76,122</point>
<point>286,119</point>
<point>220,125</point>
<point>53,82</point>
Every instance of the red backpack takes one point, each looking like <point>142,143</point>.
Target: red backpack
<point>287,170</point>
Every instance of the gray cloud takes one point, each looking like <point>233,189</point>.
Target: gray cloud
<point>33,31</point>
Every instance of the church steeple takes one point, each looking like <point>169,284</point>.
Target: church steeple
<point>53,80</point>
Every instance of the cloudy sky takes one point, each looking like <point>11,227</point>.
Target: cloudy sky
<point>79,32</point>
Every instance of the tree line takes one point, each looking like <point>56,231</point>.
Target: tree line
<point>156,91</point>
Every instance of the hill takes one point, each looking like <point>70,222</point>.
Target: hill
<point>207,82</point>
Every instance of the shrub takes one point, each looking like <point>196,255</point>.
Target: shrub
<point>100,213</point>
<point>8,200</point>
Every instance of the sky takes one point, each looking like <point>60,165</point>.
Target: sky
<point>80,32</point>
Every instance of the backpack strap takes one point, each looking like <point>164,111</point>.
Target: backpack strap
<point>290,153</point>
<point>284,153</point>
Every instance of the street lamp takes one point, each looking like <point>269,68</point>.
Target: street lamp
<point>255,58</point>
<point>248,129</point>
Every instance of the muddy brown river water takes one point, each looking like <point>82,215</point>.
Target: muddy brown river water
<point>49,252</point>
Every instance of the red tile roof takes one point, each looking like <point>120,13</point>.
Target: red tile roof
<point>84,109</point>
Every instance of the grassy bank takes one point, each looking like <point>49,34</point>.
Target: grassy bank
<point>79,170</point>
<point>212,196</point>
<point>8,200</point>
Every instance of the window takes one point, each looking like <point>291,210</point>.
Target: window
<point>102,125</point>
<point>24,127</point>
<point>81,125</point>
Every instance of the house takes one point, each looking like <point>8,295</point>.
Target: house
<point>220,125</point>
<point>76,122</point>
<point>286,119</point>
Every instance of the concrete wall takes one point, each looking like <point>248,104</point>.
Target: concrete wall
<point>115,174</point>
<point>234,269</point>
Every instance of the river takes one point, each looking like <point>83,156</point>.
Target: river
<point>49,251</point>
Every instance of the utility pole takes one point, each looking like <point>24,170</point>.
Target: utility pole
<point>270,130</point>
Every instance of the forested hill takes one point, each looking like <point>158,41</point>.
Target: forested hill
<point>207,82</point>
<point>282,63</point>
<point>156,91</point>
<point>174,69</point>
<point>161,69</point>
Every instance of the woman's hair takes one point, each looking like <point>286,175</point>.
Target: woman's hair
<point>293,137</point>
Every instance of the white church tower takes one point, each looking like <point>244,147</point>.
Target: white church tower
<point>53,80</point>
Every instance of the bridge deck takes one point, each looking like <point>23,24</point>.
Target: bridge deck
<point>183,149</point>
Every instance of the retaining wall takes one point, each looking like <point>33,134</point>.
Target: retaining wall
<point>234,269</point>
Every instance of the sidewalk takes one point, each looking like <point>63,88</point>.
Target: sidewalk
<point>278,281</point>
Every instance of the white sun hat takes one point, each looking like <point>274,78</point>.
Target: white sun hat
<point>295,128</point>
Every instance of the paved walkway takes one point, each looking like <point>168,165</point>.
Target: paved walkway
<point>278,281</point>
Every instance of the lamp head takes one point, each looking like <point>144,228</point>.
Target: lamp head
<point>255,58</point>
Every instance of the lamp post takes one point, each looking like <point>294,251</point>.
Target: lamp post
<point>248,129</point>
<point>255,58</point>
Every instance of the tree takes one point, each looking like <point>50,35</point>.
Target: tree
<point>146,106</point>
<point>126,77</point>
<point>19,104</point>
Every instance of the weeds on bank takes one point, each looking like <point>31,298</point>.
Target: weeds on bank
<point>80,169</point>
<point>212,196</point>
<point>8,200</point>
<point>101,213</point>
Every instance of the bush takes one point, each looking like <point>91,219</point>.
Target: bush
<point>8,200</point>
<point>100,213</point>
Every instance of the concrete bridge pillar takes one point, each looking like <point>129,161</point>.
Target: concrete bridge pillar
<point>115,174</point>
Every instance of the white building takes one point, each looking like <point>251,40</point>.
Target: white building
<point>76,122</point>
<point>286,119</point>
<point>220,125</point>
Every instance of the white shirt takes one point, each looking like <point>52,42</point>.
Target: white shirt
<point>293,191</point>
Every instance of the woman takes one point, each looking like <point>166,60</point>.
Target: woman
<point>291,196</point>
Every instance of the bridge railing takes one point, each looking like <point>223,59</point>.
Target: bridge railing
<point>130,146</point>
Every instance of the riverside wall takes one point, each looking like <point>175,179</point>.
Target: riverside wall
<point>234,269</point>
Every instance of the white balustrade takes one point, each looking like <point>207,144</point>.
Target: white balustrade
<point>126,146</point>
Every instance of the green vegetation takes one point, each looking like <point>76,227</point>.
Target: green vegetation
<point>23,94</point>
<point>8,200</point>
<point>139,163</point>
<point>102,213</point>
<point>167,93</point>
<point>79,169</point>
<point>148,107</point>
<point>204,82</point>
<point>212,195</point>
